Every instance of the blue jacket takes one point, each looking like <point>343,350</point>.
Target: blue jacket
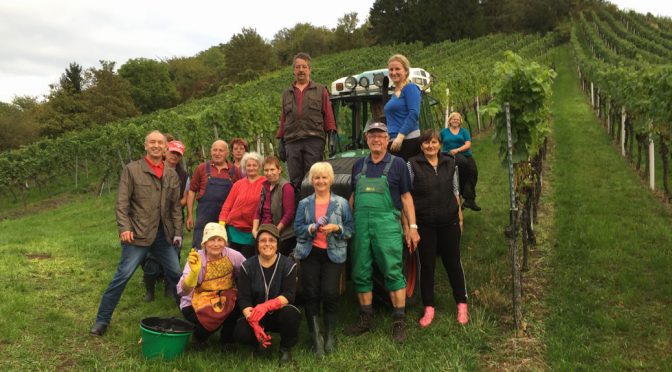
<point>339,213</point>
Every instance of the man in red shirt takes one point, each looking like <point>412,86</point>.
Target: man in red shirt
<point>306,118</point>
<point>149,220</point>
<point>210,185</point>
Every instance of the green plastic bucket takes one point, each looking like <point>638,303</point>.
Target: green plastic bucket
<point>164,337</point>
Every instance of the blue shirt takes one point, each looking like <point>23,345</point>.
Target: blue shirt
<point>402,113</point>
<point>398,178</point>
<point>452,141</point>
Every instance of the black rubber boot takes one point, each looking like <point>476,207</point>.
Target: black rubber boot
<point>150,284</point>
<point>285,355</point>
<point>316,336</point>
<point>167,293</point>
<point>329,333</point>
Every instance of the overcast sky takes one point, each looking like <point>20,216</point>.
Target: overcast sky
<point>38,38</point>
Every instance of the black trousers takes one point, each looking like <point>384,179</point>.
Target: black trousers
<point>445,242</point>
<point>285,321</point>
<point>226,330</point>
<point>320,278</point>
<point>246,250</point>
<point>301,155</point>
<point>468,172</point>
<point>409,148</point>
<point>285,247</point>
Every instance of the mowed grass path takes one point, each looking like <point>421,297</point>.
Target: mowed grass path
<point>610,284</point>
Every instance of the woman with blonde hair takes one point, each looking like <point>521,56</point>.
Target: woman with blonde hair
<point>457,141</point>
<point>402,111</point>
<point>237,213</point>
<point>323,225</point>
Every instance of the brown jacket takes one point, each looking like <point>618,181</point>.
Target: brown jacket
<point>143,200</point>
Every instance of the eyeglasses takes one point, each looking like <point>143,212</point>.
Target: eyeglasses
<point>376,136</point>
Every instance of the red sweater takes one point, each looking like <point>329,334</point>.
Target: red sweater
<point>241,204</point>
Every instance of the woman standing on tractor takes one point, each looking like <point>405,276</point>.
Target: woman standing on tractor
<point>402,111</point>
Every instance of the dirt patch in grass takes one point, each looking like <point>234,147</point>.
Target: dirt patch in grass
<point>38,256</point>
<point>27,209</point>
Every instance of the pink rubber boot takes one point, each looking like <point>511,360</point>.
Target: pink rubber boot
<point>462,316</point>
<point>426,319</point>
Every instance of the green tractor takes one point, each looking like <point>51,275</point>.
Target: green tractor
<point>355,100</point>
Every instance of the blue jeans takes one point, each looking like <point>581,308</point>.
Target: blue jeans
<point>131,257</point>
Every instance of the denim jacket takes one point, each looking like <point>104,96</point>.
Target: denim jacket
<point>339,213</point>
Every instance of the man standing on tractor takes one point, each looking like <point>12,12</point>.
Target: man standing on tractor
<point>305,120</point>
<point>381,187</point>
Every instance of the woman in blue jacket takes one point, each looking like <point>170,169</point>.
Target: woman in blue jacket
<point>402,111</point>
<point>323,225</point>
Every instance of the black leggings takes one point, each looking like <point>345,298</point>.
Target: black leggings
<point>444,241</point>
<point>468,172</point>
<point>320,278</point>
<point>201,334</point>
<point>286,321</point>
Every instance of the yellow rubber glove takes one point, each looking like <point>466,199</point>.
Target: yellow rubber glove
<point>194,261</point>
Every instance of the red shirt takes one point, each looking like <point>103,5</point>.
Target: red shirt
<point>243,200</point>
<point>199,180</point>
<point>157,169</point>
<point>320,240</point>
<point>329,122</point>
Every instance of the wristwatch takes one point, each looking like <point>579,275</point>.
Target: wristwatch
<point>413,226</point>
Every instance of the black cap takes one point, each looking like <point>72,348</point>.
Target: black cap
<point>268,228</point>
<point>375,125</point>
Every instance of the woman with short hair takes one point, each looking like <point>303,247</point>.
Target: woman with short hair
<point>439,218</point>
<point>276,205</point>
<point>323,226</point>
<point>266,290</point>
<point>238,210</point>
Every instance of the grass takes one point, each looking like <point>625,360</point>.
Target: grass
<point>610,283</point>
<point>596,296</point>
<point>59,260</point>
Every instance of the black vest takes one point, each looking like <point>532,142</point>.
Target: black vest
<point>433,197</point>
<point>311,121</point>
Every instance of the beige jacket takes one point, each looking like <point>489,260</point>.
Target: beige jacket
<point>143,200</point>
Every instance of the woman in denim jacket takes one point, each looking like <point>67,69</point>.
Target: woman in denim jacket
<point>323,225</point>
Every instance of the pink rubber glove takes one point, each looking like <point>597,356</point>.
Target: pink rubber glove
<point>260,310</point>
<point>263,339</point>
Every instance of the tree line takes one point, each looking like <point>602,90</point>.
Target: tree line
<point>84,98</point>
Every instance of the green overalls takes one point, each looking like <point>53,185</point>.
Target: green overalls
<point>378,234</point>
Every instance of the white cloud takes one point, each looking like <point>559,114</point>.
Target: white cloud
<point>40,38</point>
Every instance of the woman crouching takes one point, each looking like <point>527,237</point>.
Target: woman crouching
<point>207,287</point>
<point>266,289</point>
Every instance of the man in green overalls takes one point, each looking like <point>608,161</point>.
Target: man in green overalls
<point>381,188</point>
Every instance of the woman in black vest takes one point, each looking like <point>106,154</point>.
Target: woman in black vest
<point>437,210</point>
<point>277,205</point>
<point>266,289</point>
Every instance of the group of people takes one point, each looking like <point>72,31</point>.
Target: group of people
<point>251,234</point>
